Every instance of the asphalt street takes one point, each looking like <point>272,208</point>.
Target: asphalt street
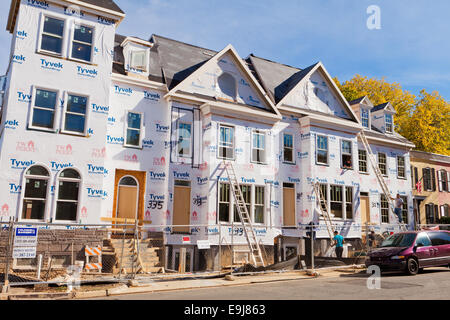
<point>433,284</point>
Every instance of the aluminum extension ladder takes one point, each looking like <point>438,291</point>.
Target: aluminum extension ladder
<point>325,213</point>
<point>254,248</point>
<point>380,177</point>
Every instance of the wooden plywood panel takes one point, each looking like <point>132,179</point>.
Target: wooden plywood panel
<point>140,177</point>
<point>365,210</point>
<point>127,203</point>
<point>182,208</point>
<point>289,207</point>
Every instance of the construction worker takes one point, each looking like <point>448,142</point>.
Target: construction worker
<point>398,207</point>
<point>339,243</point>
<point>372,239</point>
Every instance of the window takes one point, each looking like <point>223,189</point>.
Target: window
<point>247,194</point>
<point>184,139</point>
<point>430,212</point>
<point>259,204</point>
<point>69,182</point>
<point>224,202</point>
<point>226,142</point>
<point>258,146</point>
<point>445,211</point>
<point>348,202</point>
<point>43,111</point>
<point>365,114</point>
<point>442,180</point>
<point>82,43</point>
<point>138,60</point>
<point>416,176</point>
<point>405,209</point>
<point>423,240</point>
<point>429,180</point>
<point>35,195</point>
<point>322,150</point>
<point>75,114</point>
<point>388,123</point>
<point>227,85</point>
<point>382,164</point>
<point>439,238</point>
<point>346,153</point>
<point>288,148</point>
<point>412,177</point>
<point>401,167</point>
<point>52,35</point>
<point>336,200</point>
<point>384,209</point>
<point>133,129</point>
<point>362,157</point>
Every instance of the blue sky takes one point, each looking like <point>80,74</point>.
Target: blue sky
<point>412,47</point>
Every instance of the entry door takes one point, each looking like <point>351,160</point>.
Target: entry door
<point>288,207</point>
<point>127,198</point>
<point>182,208</point>
<point>365,210</point>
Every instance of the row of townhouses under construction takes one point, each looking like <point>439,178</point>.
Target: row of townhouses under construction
<point>95,125</point>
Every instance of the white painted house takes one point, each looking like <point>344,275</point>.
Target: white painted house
<point>95,124</point>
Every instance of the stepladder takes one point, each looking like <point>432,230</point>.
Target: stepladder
<point>381,180</point>
<point>249,232</point>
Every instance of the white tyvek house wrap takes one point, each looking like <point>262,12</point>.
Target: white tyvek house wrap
<point>316,94</point>
<point>56,151</point>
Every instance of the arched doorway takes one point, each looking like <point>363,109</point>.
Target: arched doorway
<point>127,198</point>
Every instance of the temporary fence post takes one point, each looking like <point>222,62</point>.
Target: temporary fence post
<point>8,254</point>
<point>220,249</point>
<point>39,267</point>
<point>123,247</point>
<point>312,246</point>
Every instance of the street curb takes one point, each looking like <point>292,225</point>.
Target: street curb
<point>91,294</point>
<point>41,296</point>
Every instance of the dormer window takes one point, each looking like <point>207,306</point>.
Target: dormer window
<point>388,123</point>
<point>365,116</point>
<point>139,60</point>
<point>228,86</point>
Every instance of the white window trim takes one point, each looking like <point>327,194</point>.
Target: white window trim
<point>219,143</point>
<point>141,129</point>
<point>293,148</point>
<point>230,203</point>
<point>264,134</point>
<point>188,156</point>
<point>86,115</point>
<point>55,197</point>
<point>369,119</point>
<point>404,168</point>
<point>388,210</point>
<point>72,36</point>
<point>147,60</point>
<point>352,203</point>
<point>387,167</point>
<point>349,154</point>
<point>392,123</point>
<point>41,32</point>
<point>317,150</point>
<point>22,193</point>
<point>56,110</point>
<point>254,205</point>
<point>342,201</point>
<point>367,166</point>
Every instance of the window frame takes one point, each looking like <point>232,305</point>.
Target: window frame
<point>86,115</point>
<point>147,60</point>
<point>22,194</point>
<point>229,202</point>
<point>359,162</point>
<point>219,142</point>
<point>346,154</point>
<point>391,117</point>
<point>405,214</point>
<point>442,180</point>
<point>141,129</point>
<point>291,148</point>
<point>346,215</point>
<point>41,33</point>
<point>56,196</point>
<point>318,149</point>
<point>56,112</point>
<point>398,167</point>
<point>263,134</point>
<point>384,208</point>
<point>72,40</point>
<point>342,201</point>
<point>385,164</point>
<point>362,110</point>
<point>263,205</point>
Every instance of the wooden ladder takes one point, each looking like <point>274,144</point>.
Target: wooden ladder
<point>380,177</point>
<point>324,213</point>
<point>254,248</point>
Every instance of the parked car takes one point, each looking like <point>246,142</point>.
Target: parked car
<point>412,251</point>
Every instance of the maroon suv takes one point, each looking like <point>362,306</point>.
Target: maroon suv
<point>412,251</point>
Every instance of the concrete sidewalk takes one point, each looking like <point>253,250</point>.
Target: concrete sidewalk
<point>149,286</point>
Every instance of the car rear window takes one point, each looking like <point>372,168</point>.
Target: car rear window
<point>439,238</point>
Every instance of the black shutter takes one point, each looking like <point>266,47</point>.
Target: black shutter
<point>436,213</point>
<point>416,175</point>
<point>433,178</point>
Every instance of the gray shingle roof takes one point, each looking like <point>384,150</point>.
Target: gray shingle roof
<point>380,107</point>
<point>430,156</point>
<point>107,4</point>
<point>356,101</point>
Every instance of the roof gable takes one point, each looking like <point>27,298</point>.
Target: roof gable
<point>384,106</point>
<point>204,80</point>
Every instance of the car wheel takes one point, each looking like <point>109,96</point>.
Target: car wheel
<point>420,270</point>
<point>412,266</point>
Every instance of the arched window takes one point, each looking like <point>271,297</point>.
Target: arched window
<point>69,181</point>
<point>128,181</point>
<point>35,194</point>
<point>227,85</point>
